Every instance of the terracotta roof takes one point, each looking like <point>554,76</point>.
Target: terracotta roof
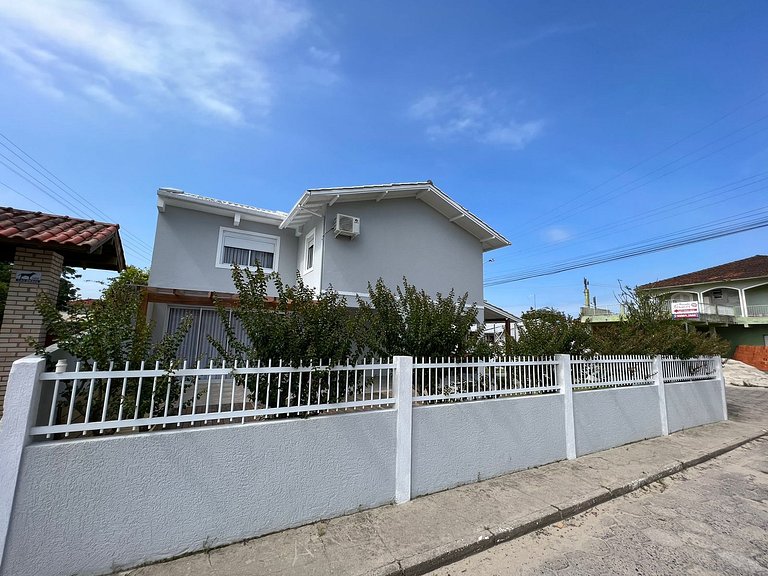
<point>83,243</point>
<point>753,267</point>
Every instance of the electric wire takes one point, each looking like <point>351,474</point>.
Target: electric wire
<point>63,186</point>
<point>563,206</point>
<point>742,223</point>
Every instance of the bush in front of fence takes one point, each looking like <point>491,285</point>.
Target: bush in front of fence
<point>113,334</point>
<point>410,322</point>
<point>546,332</point>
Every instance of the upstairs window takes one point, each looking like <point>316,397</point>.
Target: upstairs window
<point>309,251</point>
<point>247,249</point>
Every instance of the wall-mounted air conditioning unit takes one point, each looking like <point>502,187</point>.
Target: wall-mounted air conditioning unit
<point>346,226</point>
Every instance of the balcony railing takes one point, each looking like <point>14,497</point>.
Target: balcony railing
<point>753,311</point>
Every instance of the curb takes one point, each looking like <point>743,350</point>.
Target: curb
<point>425,562</point>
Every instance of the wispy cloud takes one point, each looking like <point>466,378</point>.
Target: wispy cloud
<point>556,235</point>
<point>457,113</point>
<point>218,60</point>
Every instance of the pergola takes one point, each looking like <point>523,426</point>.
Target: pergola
<point>40,246</point>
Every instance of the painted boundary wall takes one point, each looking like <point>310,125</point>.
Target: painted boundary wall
<point>85,506</point>
<point>466,442</point>
<point>691,404</point>
<point>612,417</point>
<point>98,504</point>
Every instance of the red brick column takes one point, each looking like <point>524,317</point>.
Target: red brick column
<point>21,321</point>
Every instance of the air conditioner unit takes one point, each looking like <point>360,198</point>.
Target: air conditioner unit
<point>346,226</point>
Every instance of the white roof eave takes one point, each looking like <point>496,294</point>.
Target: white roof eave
<point>313,199</point>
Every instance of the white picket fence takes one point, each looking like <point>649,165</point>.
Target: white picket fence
<point>95,401</point>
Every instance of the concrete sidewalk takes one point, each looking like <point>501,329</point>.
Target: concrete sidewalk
<point>434,530</point>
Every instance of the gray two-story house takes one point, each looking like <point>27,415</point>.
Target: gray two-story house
<point>339,237</point>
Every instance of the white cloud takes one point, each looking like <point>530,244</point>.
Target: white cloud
<point>556,235</point>
<point>219,60</point>
<point>517,135</point>
<point>457,113</point>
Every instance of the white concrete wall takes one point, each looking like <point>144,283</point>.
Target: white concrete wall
<point>94,505</point>
<point>692,404</point>
<point>90,506</point>
<point>456,444</point>
<point>616,416</point>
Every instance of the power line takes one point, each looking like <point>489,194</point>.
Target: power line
<point>19,171</point>
<point>536,221</point>
<point>59,183</point>
<point>139,252</point>
<point>639,249</point>
<point>601,199</point>
<point>694,200</point>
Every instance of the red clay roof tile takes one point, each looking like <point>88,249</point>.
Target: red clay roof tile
<point>753,267</point>
<point>50,231</point>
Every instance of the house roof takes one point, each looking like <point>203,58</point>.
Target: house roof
<point>493,313</point>
<point>176,197</point>
<point>83,243</point>
<point>753,267</point>
<point>315,199</point>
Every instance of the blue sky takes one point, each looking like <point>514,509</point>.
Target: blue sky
<point>571,127</point>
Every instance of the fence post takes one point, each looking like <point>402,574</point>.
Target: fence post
<point>566,389</point>
<point>21,406</point>
<point>658,369</point>
<point>404,410</point>
<point>719,373</point>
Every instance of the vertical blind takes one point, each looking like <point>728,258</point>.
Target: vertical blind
<point>205,322</point>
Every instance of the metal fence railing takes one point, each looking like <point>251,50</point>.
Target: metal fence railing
<point>611,372</point>
<point>677,370</point>
<point>93,401</point>
<point>452,379</point>
<point>149,398</point>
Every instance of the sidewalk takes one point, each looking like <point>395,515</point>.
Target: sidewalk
<point>438,529</point>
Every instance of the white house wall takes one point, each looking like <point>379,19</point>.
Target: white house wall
<point>403,237</point>
<point>185,251</point>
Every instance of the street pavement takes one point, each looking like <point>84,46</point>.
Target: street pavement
<point>710,519</point>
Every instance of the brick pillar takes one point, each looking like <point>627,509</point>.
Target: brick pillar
<point>21,321</point>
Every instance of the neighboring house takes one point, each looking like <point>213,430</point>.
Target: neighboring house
<point>730,299</point>
<point>339,237</point>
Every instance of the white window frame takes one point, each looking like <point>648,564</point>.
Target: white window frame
<point>310,239</point>
<point>256,235</point>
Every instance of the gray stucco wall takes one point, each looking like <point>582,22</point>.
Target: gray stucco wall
<point>608,418</point>
<point>91,506</point>
<point>456,444</point>
<point>692,404</point>
<point>184,254</point>
<point>403,237</point>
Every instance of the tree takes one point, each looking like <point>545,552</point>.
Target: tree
<point>301,328</point>
<point>648,328</point>
<point>113,332</point>
<point>546,331</point>
<point>410,322</point>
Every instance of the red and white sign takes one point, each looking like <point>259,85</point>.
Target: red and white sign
<point>685,309</point>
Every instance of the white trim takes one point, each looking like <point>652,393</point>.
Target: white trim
<point>347,293</point>
<point>310,238</point>
<point>268,237</point>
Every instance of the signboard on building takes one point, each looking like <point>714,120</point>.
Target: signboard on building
<point>685,309</point>
<point>27,277</point>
